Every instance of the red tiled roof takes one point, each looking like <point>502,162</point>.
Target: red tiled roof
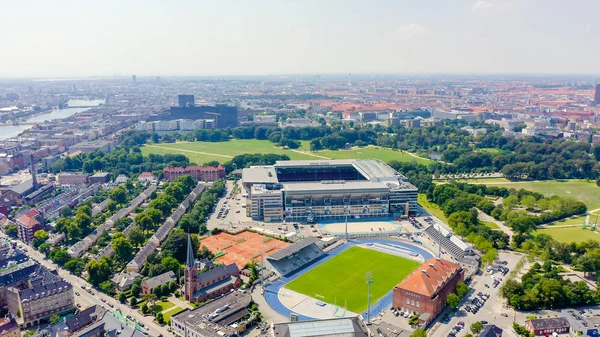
<point>146,175</point>
<point>429,277</point>
<point>27,221</point>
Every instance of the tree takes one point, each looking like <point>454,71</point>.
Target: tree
<point>150,299</point>
<point>462,289</point>
<point>164,289</point>
<point>98,271</point>
<point>12,230</point>
<point>476,327</point>
<point>160,319</point>
<point>54,319</point>
<point>154,214</point>
<point>176,245</point>
<point>123,248</point>
<point>59,256</point>
<point>135,290</point>
<point>144,308</point>
<point>144,221</point>
<point>133,301</point>
<point>83,220</point>
<point>107,287</point>
<point>39,237</point>
<point>122,297</point>
<point>136,237</point>
<point>453,300</point>
<point>419,333</point>
<point>171,264</point>
<point>44,248</point>
<point>118,194</point>
<point>528,201</point>
<point>75,266</point>
<point>74,231</point>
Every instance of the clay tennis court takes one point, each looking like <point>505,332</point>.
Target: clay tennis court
<point>241,248</point>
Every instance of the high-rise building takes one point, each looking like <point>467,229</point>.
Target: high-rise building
<point>225,116</point>
<point>133,78</point>
<point>186,100</point>
<point>597,96</point>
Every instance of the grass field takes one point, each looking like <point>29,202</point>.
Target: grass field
<point>579,220</point>
<point>490,225</point>
<point>570,234</point>
<point>373,153</point>
<point>167,315</point>
<point>432,208</point>
<point>203,152</point>
<point>588,192</point>
<point>161,306</point>
<point>344,277</point>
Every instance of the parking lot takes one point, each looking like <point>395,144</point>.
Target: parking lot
<point>483,303</point>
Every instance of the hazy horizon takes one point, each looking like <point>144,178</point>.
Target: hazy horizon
<point>73,39</point>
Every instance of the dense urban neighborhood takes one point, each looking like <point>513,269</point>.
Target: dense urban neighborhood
<point>313,206</point>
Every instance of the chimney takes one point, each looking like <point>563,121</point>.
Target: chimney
<point>33,175</point>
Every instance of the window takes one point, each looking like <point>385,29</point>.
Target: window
<point>417,304</point>
<point>412,302</point>
<point>407,301</point>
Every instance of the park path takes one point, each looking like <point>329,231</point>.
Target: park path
<point>182,150</point>
<point>179,303</point>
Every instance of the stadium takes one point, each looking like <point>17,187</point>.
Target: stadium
<point>308,191</point>
<point>314,284</point>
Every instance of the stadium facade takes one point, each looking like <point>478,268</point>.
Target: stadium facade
<point>307,190</point>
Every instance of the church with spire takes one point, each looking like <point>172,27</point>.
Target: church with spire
<point>206,279</point>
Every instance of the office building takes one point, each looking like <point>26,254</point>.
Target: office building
<point>334,189</point>
<point>424,291</point>
<point>597,96</point>
<point>581,324</point>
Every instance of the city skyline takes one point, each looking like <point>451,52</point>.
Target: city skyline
<point>74,39</point>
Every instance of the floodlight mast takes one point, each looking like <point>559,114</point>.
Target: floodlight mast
<point>369,278</point>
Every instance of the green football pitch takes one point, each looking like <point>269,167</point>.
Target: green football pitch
<point>342,279</point>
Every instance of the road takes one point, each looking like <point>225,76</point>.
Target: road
<point>86,300</point>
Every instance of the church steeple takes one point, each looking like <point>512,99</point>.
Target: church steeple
<point>189,263</point>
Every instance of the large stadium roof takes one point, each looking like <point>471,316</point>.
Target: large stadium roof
<point>293,249</point>
<point>347,186</point>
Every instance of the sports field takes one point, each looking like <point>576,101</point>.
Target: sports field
<point>343,277</point>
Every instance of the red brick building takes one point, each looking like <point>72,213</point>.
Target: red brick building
<point>172,173</point>
<point>28,225</point>
<point>547,326</point>
<point>202,173</point>
<point>424,291</point>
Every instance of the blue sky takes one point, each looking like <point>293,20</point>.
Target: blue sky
<point>253,37</point>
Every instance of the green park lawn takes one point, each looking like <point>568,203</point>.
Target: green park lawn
<point>203,152</point>
<point>167,315</point>
<point>578,220</point>
<point>342,278</point>
<point>587,192</point>
<point>162,306</point>
<point>570,234</point>
<point>490,225</point>
<point>432,208</point>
